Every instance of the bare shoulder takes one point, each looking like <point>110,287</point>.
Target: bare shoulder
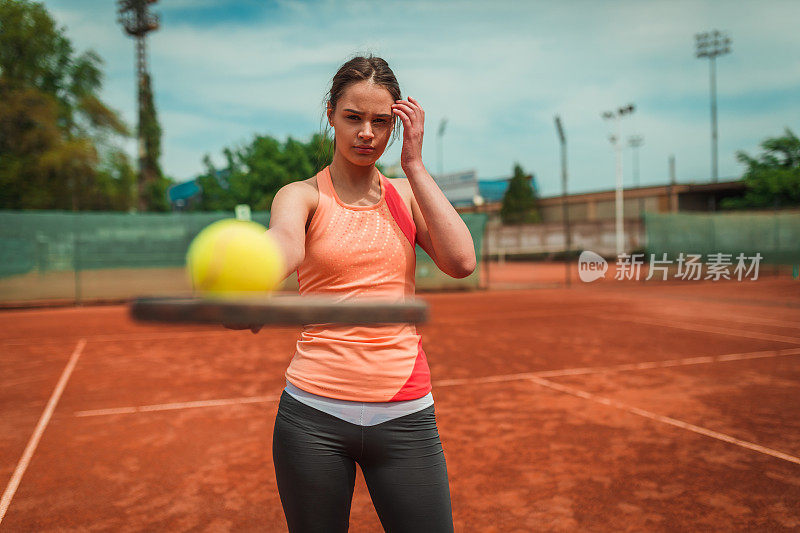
<point>299,196</point>
<point>311,193</point>
<point>399,183</point>
<point>306,187</point>
<point>302,192</point>
<point>404,189</point>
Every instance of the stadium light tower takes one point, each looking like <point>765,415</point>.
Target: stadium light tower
<point>616,141</point>
<point>138,22</point>
<point>710,45</point>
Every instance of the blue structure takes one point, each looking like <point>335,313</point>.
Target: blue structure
<point>494,190</point>
<point>182,194</point>
<point>183,191</point>
<point>185,194</point>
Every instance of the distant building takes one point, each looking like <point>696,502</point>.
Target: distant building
<point>601,205</point>
<point>461,188</point>
<point>468,194</point>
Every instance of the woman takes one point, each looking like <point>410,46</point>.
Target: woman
<point>363,394</point>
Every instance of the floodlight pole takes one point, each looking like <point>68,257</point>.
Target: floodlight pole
<point>635,141</point>
<point>563,139</point>
<point>619,211</point>
<point>710,45</point>
<point>714,135</point>
<point>616,141</point>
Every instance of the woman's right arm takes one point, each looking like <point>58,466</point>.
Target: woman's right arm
<point>287,223</point>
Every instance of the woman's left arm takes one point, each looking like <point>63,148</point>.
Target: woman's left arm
<point>454,250</point>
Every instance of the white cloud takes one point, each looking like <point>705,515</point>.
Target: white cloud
<point>498,71</point>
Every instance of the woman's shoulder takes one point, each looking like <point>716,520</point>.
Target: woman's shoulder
<point>302,194</point>
<point>307,190</point>
<point>403,189</point>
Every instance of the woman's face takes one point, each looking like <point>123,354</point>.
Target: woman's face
<point>363,118</point>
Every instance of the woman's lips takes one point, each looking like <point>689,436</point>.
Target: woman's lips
<point>364,149</point>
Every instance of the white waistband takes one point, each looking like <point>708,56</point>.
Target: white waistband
<point>360,413</point>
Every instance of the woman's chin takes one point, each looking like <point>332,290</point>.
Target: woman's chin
<point>364,160</point>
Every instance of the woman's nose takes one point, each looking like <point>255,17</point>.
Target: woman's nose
<point>366,132</point>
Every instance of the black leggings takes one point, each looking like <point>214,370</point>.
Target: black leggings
<point>402,461</point>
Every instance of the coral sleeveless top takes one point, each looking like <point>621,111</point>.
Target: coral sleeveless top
<point>357,252</point>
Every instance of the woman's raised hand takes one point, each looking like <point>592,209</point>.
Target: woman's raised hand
<point>413,117</point>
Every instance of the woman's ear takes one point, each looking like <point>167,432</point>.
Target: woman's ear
<point>330,114</point>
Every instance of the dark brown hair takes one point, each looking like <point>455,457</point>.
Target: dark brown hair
<point>360,68</point>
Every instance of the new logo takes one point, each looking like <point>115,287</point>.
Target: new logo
<point>591,266</point>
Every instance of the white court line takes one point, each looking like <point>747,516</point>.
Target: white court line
<point>667,420</point>
<point>22,465</point>
<point>192,334</point>
<point>117,337</point>
<point>497,316</point>
<point>177,405</point>
<point>621,367</point>
<point>704,329</point>
<point>739,319</point>
<point>651,298</point>
<point>464,381</point>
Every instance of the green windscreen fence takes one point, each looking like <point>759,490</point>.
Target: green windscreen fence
<point>90,255</point>
<point>775,236</point>
<point>428,275</point>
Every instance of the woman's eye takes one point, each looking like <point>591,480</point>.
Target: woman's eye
<point>355,117</point>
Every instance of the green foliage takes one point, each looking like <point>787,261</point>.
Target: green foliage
<point>154,184</point>
<point>119,178</point>
<point>28,134</point>
<point>55,132</point>
<point>520,204</point>
<point>773,180</point>
<point>33,52</point>
<point>253,173</point>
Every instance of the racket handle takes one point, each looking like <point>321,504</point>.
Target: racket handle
<point>255,328</point>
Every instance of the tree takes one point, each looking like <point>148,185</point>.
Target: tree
<point>254,173</point>
<point>320,151</point>
<point>116,179</point>
<point>520,205</point>
<point>28,135</point>
<point>55,132</point>
<point>772,180</point>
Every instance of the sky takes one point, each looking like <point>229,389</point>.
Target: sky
<point>224,71</point>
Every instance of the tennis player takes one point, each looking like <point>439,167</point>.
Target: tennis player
<point>363,394</point>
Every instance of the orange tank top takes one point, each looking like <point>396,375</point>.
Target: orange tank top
<point>360,252</point>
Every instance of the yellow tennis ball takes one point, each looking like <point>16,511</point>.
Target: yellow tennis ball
<point>234,257</point>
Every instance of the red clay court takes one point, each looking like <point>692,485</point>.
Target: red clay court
<point>616,406</point>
